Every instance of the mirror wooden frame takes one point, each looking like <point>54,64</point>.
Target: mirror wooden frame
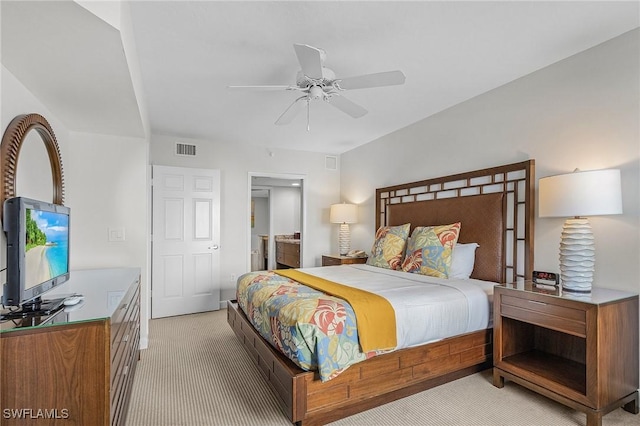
<point>12,141</point>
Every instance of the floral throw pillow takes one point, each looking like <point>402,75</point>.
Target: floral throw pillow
<point>430,248</point>
<point>388,248</point>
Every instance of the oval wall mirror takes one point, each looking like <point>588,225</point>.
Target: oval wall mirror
<point>40,175</point>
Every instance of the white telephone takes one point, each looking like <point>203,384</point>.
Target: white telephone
<point>356,253</point>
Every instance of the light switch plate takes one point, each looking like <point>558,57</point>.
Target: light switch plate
<point>116,234</point>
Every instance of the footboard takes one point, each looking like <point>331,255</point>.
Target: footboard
<point>385,378</point>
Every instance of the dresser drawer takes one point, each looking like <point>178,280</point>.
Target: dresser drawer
<point>123,335</point>
<point>119,316</point>
<point>288,254</point>
<point>121,348</point>
<point>120,400</point>
<point>128,307</point>
<point>125,345</point>
<point>292,248</point>
<point>545,314</point>
<point>280,252</point>
<point>292,260</point>
<point>122,381</point>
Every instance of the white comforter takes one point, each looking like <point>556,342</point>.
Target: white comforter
<point>427,308</point>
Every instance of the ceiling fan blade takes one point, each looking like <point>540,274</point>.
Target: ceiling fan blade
<point>347,106</point>
<point>310,59</point>
<point>290,113</point>
<point>267,88</point>
<point>388,78</point>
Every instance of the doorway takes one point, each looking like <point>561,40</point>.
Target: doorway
<point>277,212</point>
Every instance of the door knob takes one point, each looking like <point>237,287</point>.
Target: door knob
<point>214,247</point>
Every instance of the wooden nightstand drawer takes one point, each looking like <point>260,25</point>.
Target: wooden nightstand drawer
<point>331,261</point>
<point>334,260</point>
<point>545,314</point>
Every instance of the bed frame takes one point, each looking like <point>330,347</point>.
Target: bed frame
<point>496,209</point>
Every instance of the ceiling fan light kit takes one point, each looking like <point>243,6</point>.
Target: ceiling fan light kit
<point>318,82</point>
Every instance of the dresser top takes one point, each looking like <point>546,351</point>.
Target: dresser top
<point>103,289</point>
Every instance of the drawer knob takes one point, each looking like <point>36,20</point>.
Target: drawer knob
<point>537,303</point>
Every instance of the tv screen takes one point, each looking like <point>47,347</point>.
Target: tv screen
<point>37,249</point>
<point>46,246</point>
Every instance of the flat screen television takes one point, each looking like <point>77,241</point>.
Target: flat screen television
<point>37,254</point>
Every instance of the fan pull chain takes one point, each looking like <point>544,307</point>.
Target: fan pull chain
<point>308,115</point>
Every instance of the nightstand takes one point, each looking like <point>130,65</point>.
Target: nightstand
<point>335,259</point>
<point>579,350</point>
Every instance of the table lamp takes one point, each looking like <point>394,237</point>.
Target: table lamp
<point>577,195</point>
<point>344,214</point>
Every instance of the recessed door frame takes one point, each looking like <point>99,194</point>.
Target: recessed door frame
<point>303,215</point>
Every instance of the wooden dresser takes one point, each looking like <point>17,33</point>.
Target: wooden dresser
<point>579,350</point>
<point>75,367</point>
<point>288,253</point>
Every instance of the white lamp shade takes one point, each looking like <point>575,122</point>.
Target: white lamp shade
<point>343,213</point>
<point>591,193</point>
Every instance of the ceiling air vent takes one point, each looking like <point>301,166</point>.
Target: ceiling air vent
<point>185,149</point>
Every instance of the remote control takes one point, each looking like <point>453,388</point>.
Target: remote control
<point>73,300</point>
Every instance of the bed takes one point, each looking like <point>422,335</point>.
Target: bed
<point>496,208</point>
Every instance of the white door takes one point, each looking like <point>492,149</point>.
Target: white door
<point>185,244</point>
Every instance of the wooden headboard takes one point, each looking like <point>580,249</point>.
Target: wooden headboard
<point>496,207</point>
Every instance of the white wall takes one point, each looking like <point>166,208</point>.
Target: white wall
<point>235,163</point>
<point>581,112</point>
<point>16,99</point>
<point>106,187</point>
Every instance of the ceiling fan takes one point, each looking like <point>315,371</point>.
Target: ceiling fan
<point>315,82</point>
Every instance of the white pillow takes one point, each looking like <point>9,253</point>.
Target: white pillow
<point>463,259</point>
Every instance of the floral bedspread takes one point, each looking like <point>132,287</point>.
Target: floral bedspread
<point>315,330</point>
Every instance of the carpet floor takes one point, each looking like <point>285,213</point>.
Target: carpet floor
<point>196,373</point>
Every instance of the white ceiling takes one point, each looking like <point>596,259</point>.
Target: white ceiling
<point>190,51</point>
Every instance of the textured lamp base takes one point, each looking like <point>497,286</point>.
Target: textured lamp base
<point>344,239</point>
<point>577,255</point>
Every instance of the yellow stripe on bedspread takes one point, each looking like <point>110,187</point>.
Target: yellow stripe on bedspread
<point>375,317</point>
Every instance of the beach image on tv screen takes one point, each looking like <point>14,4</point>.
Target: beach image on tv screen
<point>47,246</point>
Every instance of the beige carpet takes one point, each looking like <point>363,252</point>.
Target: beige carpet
<point>196,373</point>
